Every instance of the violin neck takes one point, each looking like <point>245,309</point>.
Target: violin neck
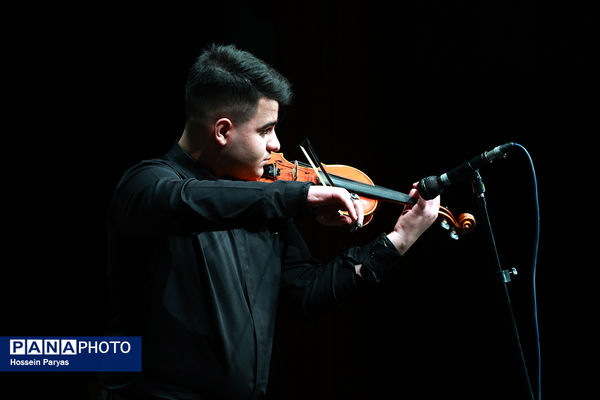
<point>374,192</point>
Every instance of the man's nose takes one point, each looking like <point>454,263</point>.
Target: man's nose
<point>273,143</point>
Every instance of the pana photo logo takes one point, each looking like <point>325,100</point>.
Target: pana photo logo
<point>83,353</point>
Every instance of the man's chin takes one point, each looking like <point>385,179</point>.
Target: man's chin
<point>260,173</point>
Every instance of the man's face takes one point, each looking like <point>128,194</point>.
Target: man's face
<point>250,144</point>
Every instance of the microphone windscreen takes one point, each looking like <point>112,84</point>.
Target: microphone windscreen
<point>430,187</point>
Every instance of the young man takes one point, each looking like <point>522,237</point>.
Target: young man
<point>200,252</point>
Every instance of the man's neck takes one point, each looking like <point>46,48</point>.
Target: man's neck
<point>199,149</point>
<point>190,144</point>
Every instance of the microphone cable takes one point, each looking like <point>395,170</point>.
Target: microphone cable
<point>534,271</point>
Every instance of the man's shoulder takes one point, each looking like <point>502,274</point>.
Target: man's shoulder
<point>150,170</point>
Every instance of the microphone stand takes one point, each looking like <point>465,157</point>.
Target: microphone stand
<point>505,274</point>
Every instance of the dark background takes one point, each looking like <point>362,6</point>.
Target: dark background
<point>400,91</point>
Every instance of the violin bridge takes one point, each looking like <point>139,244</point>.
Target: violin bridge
<point>295,171</point>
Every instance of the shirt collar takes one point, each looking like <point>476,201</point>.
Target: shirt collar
<point>185,161</point>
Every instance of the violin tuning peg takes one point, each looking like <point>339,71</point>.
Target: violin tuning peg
<point>445,224</point>
<point>454,235</point>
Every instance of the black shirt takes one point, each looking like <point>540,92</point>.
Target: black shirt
<point>197,266</point>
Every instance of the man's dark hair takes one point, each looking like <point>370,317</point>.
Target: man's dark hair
<point>229,81</point>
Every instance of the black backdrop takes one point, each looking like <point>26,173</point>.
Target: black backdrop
<point>399,91</point>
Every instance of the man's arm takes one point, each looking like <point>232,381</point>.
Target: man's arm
<point>152,198</point>
<point>311,285</point>
<point>414,221</point>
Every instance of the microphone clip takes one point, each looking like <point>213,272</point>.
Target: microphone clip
<point>505,274</point>
<point>477,184</point>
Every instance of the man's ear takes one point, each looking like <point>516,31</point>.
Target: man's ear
<point>221,129</point>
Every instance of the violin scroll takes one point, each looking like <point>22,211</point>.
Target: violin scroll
<point>464,224</point>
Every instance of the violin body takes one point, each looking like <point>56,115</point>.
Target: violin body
<point>282,169</point>
<point>356,181</point>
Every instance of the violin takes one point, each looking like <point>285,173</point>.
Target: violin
<point>356,181</point>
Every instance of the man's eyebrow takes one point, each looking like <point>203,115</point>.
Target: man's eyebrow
<point>267,125</point>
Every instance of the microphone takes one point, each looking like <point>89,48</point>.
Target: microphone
<point>432,186</point>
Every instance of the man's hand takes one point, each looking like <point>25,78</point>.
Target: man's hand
<point>414,221</point>
<point>327,201</point>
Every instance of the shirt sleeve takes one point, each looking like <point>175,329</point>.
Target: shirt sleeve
<point>152,198</point>
<point>312,286</point>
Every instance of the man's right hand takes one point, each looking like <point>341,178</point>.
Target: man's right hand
<point>327,202</point>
